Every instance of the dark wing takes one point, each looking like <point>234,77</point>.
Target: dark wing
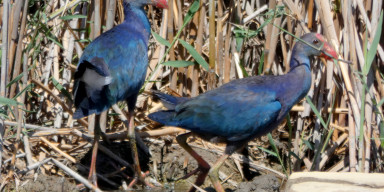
<point>233,111</point>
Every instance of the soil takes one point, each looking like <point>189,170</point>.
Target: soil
<point>167,163</point>
<point>48,183</point>
<point>262,183</point>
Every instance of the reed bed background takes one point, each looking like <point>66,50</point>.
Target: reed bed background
<point>195,46</point>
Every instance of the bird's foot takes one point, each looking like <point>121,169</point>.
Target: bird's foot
<point>140,179</point>
<point>92,177</point>
<point>198,169</point>
<point>189,174</point>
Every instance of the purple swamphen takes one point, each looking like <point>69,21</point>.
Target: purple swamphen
<point>243,109</point>
<point>112,68</point>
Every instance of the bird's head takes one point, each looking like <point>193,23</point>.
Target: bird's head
<point>314,44</point>
<point>158,3</point>
<point>311,44</point>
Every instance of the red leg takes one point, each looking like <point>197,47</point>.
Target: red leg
<point>203,165</point>
<point>132,140</point>
<point>92,170</point>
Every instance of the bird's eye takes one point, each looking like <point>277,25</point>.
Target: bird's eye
<point>315,41</point>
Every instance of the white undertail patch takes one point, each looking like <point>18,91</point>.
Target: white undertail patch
<point>94,81</point>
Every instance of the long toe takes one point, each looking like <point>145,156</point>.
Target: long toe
<point>141,179</point>
<point>214,176</point>
<point>189,174</point>
<point>203,172</point>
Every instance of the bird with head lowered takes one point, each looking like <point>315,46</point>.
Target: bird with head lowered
<point>243,109</point>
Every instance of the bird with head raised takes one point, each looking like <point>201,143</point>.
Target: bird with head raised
<point>112,68</point>
<point>243,109</point>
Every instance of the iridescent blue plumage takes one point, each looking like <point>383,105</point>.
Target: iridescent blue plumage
<point>123,52</point>
<point>245,108</point>
<point>112,69</point>
<point>242,109</point>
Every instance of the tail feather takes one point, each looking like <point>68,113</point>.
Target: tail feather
<point>168,101</point>
<point>163,117</point>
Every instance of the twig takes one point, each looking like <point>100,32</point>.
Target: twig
<point>27,150</point>
<point>73,160</point>
<point>227,179</point>
<point>102,177</point>
<point>75,175</point>
<point>34,166</point>
<point>197,187</point>
<point>253,165</point>
<point>254,14</point>
<point>338,166</point>
<point>30,126</point>
<point>299,108</point>
<point>17,156</point>
<point>167,130</point>
<point>330,150</point>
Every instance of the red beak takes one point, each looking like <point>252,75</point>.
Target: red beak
<point>160,4</point>
<point>327,51</point>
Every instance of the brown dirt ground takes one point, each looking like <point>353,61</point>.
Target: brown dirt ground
<point>45,183</point>
<point>166,164</point>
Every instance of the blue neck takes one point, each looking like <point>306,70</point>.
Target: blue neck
<point>294,85</point>
<point>136,18</point>
<point>300,72</point>
<point>299,58</point>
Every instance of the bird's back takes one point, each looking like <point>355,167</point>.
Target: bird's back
<point>237,110</point>
<point>123,51</point>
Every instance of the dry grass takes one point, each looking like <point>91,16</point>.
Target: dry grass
<point>338,127</point>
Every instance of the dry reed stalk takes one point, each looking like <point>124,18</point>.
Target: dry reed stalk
<point>73,160</point>
<point>297,14</point>
<point>200,17</point>
<point>272,5</point>
<point>170,33</point>
<point>47,59</point>
<point>12,34</point>
<point>227,45</point>
<point>330,151</point>
<point>4,49</point>
<point>181,51</point>
<point>20,118</point>
<point>4,70</point>
<point>219,41</point>
<point>111,11</point>
<point>352,143</point>
<point>75,175</point>
<point>16,42</point>
<point>154,63</point>
<point>212,45</point>
<point>191,69</point>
